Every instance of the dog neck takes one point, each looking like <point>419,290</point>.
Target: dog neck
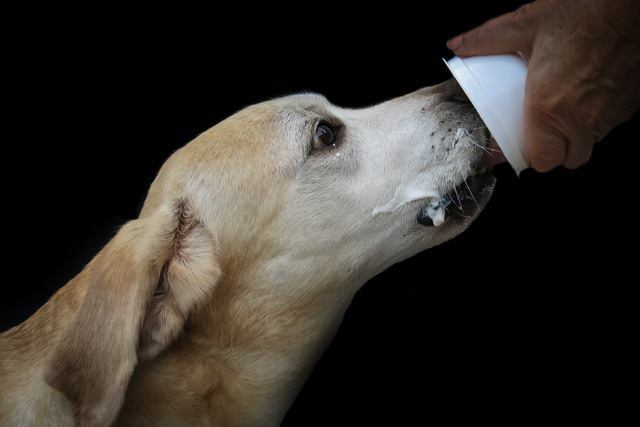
<point>244,354</point>
<point>241,359</point>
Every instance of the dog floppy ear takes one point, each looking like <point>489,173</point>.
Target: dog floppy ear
<point>141,288</point>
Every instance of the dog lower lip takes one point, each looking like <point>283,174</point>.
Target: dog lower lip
<point>459,203</point>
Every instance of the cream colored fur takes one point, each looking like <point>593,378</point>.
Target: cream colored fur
<point>212,307</point>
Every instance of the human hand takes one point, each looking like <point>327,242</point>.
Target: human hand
<point>584,71</point>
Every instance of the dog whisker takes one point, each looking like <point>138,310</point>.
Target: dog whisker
<point>469,188</point>
<point>455,190</point>
<point>485,149</point>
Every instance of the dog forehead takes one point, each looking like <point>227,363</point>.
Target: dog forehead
<point>304,106</point>
<point>302,100</point>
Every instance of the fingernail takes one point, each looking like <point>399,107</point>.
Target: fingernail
<point>455,42</point>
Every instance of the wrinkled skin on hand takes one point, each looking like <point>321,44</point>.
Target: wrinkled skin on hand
<point>584,71</point>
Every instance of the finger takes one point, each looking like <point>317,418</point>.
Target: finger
<point>512,32</point>
<point>580,145</point>
<point>580,138</point>
<point>578,153</point>
<point>544,147</point>
<point>545,151</point>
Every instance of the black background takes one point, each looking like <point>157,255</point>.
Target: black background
<point>527,316</point>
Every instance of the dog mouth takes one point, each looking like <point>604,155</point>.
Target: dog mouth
<point>460,203</point>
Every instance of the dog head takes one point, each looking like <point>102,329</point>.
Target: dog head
<point>344,188</point>
<point>312,193</point>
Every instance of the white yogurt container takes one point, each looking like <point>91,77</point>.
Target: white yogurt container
<point>495,86</point>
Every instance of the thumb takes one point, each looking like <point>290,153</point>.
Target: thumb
<point>512,32</point>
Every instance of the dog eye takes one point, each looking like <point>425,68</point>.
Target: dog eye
<point>324,136</point>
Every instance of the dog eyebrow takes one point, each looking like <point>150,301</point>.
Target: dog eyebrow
<point>308,115</point>
<point>315,109</point>
<point>319,111</point>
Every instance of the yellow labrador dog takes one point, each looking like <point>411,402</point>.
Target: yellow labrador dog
<point>212,307</point>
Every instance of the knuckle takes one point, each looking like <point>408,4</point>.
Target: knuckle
<point>464,41</point>
<point>555,107</point>
<point>595,121</point>
<point>545,108</point>
<point>589,118</point>
<point>472,38</point>
<point>521,15</point>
